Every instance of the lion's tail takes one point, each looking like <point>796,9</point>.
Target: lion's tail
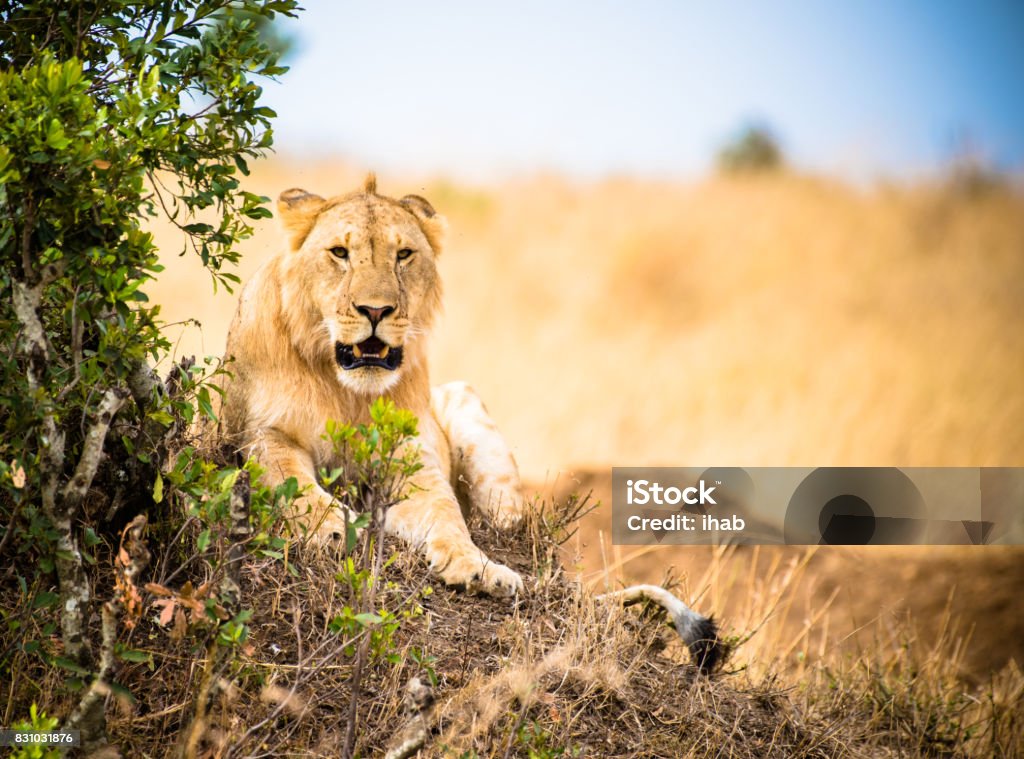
<point>700,633</point>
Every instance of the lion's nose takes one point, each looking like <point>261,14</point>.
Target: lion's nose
<point>375,314</point>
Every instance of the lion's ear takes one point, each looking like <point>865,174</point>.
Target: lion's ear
<point>419,206</point>
<point>298,210</point>
<point>432,224</point>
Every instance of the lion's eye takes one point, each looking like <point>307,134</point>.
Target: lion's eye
<point>340,251</point>
<point>404,253</point>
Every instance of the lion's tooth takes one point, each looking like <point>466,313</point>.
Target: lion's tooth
<point>384,351</point>
<point>356,351</point>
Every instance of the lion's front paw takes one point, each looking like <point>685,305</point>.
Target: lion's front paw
<point>332,529</point>
<point>499,580</point>
<point>475,571</point>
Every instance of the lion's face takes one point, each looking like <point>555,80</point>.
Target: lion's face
<point>371,285</point>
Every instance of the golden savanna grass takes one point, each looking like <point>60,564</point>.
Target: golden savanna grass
<point>766,321</point>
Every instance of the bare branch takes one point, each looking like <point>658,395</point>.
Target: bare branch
<point>92,449</point>
<point>28,269</point>
<point>77,328</point>
<point>33,336</point>
<point>62,509</point>
<point>74,585</point>
<point>143,382</point>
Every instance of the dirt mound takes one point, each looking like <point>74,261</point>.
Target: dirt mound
<point>556,673</point>
<point>555,668</point>
<point>328,659</point>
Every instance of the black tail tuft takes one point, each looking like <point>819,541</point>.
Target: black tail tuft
<point>707,650</point>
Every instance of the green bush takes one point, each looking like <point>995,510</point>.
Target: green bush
<point>110,112</point>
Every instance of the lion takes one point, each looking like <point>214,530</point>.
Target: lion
<point>343,317</point>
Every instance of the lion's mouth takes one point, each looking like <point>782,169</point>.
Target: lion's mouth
<point>371,352</point>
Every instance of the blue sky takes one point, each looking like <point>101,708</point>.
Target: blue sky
<point>863,89</point>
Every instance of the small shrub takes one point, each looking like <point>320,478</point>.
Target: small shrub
<point>754,150</point>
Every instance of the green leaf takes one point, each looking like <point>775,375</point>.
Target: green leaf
<point>158,488</point>
<point>134,655</point>
<point>229,481</point>
<point>45,599</point>
<point>55,136</point>
<point>161,417</point>
<point>203,399</point>
<point>70,665</point>
<point>122,692</point>
<point>203,541</point>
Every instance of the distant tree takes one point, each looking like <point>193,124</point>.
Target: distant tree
<point>754,149</point>
<point>969,173</point>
